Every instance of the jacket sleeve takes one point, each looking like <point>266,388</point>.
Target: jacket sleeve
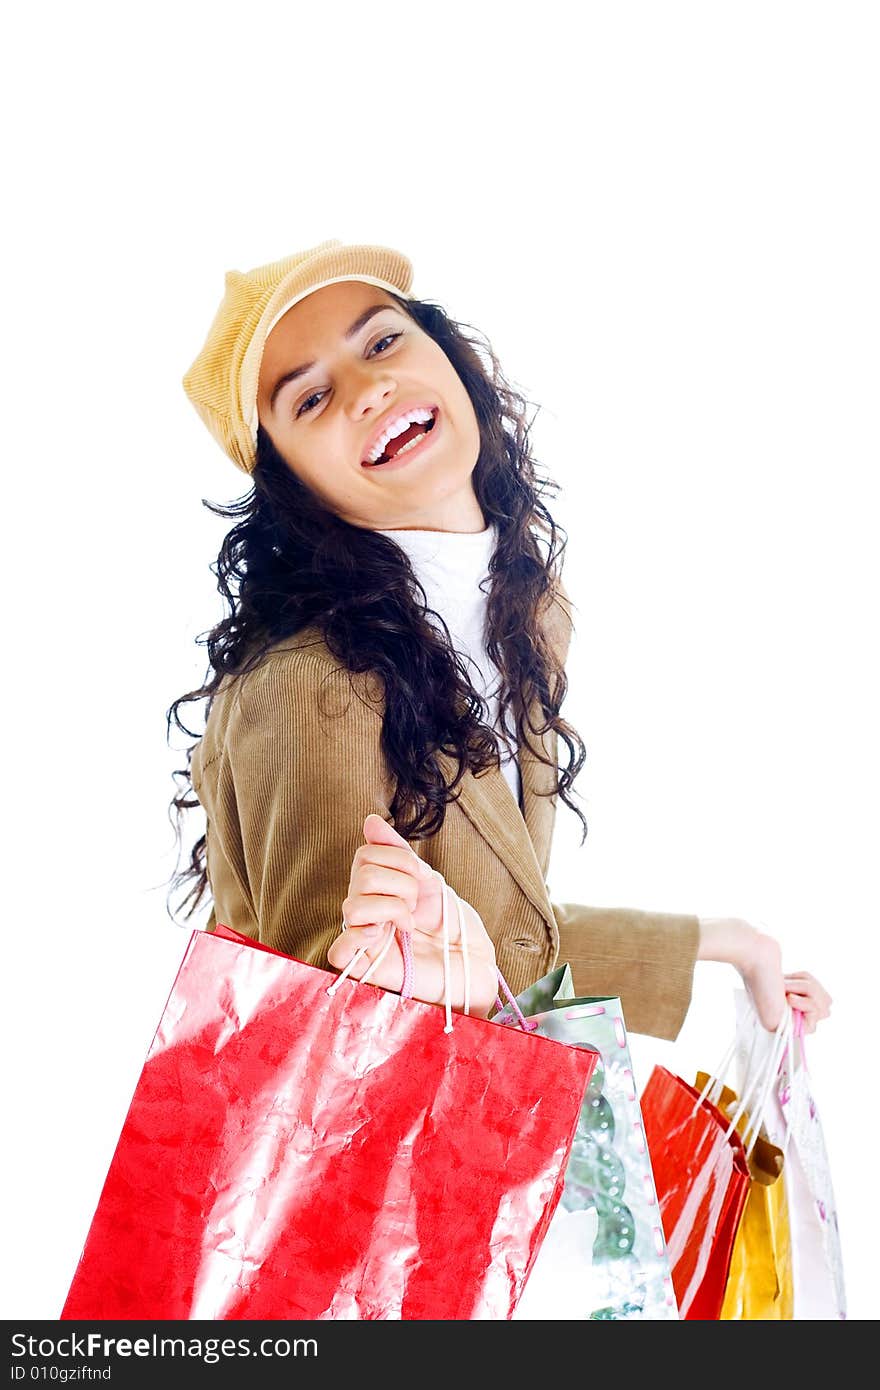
<point>305,768</point>
<point>645,958</point>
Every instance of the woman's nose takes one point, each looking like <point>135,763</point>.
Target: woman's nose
<point>369,391</point>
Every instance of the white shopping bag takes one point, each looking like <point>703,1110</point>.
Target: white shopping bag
<point>561,1286</point>
<point>791,1121</point>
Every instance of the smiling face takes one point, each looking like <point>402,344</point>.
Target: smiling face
<point>340,372</point>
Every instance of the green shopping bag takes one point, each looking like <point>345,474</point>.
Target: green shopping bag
<point>604,1255</point>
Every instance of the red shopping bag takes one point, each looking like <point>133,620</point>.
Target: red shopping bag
<point>702,1180</point>
<point>294,1154</point>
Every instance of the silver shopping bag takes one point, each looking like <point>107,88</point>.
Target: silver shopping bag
<point>604,1255</point>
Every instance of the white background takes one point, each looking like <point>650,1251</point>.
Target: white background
<point>665,219</point>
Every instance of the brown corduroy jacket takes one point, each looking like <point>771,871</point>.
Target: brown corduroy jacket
<point>289,766</point>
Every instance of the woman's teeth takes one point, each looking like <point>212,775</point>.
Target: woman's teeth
<point>419,416</point>
<point>411,445</point>
<point>415,428</point>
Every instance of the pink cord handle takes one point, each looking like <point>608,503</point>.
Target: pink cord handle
<point>797,1029</point>
<point>406,989</point>
<point>529,1025</point>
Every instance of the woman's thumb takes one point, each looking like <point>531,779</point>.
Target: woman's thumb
<point>378,832</point>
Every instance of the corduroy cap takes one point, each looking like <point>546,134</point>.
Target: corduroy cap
<point>222,381</point>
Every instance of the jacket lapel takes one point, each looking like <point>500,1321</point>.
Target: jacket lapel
<point>521,839</point>
<point>539,784</point>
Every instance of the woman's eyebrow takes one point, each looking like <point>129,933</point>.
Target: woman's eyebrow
<point>349,333</point>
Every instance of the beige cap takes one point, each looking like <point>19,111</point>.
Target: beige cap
<point>222,381</point>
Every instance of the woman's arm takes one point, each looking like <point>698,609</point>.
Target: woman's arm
<point>301,765</point>
<point>647,959</point>
<point>644,958</point>
<point>758,958</point>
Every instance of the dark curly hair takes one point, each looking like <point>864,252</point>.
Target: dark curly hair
<point>291,562</point>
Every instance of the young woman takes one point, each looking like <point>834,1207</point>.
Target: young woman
<point>384,696</point>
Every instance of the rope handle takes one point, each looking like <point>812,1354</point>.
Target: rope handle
<point>528,1025</point>
<point>763,1085</point>
<point>798,1017</point>
<point>792,1091</point>
<point>760,1082</point>
<point>408,968</point>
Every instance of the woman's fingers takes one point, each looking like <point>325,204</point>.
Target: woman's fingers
<point>373,869</point>
<point>804,986</point>
<point>390,857</point>
<point>801,982</point>
<point>397,904</point>
<point>371,939</point>
<point>383,871</point>
<point>383,891</point>
<point>390,891</point>
<point>804,992</point>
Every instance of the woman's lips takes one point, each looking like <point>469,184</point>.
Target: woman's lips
<point>413,452</point>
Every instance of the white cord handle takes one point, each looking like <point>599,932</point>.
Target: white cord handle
<point>447,968</point>
<point>760,1081</point>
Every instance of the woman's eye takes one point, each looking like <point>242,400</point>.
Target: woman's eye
<point>305,405</point>
<point>389,338</point>
<point>316,395</point>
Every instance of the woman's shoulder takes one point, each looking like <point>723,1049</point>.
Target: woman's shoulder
<point>294,686</point>
<point>304,654</point>
<point>293,676</point>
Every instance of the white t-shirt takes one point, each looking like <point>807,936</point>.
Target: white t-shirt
<point>451,566</point>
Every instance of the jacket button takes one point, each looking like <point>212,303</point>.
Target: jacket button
<point>525,943</point>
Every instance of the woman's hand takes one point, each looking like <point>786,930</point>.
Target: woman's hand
<point>390,884</point>
<point>758,958</point>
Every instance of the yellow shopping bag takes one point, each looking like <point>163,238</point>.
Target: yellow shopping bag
<point>760,1281</point>
<point>759,1285</point>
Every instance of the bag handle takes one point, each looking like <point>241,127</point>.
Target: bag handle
<point>795,1051</point>
<point>527,1025</point>
<point>406,951</point>
<point>759,1083</point>
<point>797,1063</point>
<point>763,1084</point>
<point>406,948</point>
